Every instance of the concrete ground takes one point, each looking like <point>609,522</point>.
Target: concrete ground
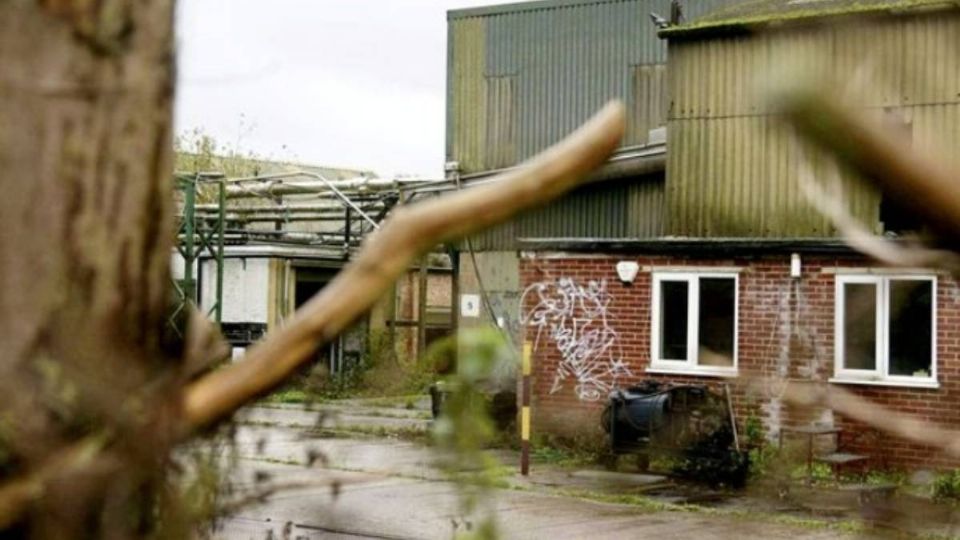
<point>385,487</point>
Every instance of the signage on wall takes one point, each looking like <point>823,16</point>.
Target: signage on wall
<point>469,305</point>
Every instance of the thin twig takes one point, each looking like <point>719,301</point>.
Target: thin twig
<point>407,233</point>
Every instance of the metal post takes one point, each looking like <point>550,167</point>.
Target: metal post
<point>525,410</point>
<point>422,284</point>
<point>455,303</point>
<point>346,231</point>
<point>221,229</point>
<point>189,206</point>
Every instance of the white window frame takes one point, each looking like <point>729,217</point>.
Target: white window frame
<point>691,365</point>
<point>881,375</point>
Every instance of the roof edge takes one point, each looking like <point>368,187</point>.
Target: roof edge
<point>519,7</point>
<point>746,24</point>
<point>694,247</point>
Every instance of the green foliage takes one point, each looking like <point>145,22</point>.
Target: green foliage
<point>765,461</point>
<point>753,431</point>
<point>196,151</point>
<point>465,429</point>
<point>946,486</point>
<point>557,456</point>
<point>567,451</point>
<point>896,477</point>
<point>379,372</point>
<point>819,472</point>
<point>293,395</point>
<point>343,384</point>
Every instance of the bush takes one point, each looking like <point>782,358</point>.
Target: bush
<point>946,486</point>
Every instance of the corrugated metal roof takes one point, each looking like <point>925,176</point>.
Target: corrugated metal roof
<point>522,76</point>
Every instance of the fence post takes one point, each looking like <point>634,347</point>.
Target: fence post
<point>525,410</point>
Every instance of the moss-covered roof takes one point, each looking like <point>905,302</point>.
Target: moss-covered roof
<point>761,12</point>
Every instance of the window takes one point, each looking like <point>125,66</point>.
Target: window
<point>885,330</point>
<point>694,323</point>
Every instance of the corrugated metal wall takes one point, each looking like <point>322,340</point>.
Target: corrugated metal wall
<point>541,69</point>
<point>629,208</point>
<point>733,170</point>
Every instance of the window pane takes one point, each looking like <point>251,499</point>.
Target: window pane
<point>717,317</point>
<point>860,326</point>
<point>673,320</point>
<point>911,327</point>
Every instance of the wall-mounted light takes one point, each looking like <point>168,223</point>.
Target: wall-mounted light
<point>795,265</point>
<point>627,270</point>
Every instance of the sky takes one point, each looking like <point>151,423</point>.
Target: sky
<point>343,83</point>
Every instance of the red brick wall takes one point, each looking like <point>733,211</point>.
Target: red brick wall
<point>767,311</point>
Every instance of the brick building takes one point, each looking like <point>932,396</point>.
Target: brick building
<point>734,278</point>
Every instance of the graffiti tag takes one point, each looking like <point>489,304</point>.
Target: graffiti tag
<point>576,319</point>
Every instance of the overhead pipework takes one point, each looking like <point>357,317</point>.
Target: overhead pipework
<point>305,208</point>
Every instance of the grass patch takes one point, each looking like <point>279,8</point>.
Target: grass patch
<point>293,395</point>
<point>561,457</point>
<point>408,402</point>
<point>648,504</point>
<point>417,415</point>
<point>405,433</point>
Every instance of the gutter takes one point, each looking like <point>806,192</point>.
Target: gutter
<point>696,247</point>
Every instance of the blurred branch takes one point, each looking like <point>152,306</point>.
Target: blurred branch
<point>204,345</point>
<point>407,233</point>
<point>829,203</point>
<point>17,493</point>
<point>917,183</point>
<point>853,406</point>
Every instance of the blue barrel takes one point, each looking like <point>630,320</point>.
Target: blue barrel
<point>633,418</point>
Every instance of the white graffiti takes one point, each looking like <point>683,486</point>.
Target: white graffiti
<point>576,319</point>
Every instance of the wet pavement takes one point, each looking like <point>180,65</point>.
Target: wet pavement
<point>385,487</point>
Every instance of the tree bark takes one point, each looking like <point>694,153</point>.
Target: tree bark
<point>85,237</point>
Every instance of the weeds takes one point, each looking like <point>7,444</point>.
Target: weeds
<point>293,395</point>
<point>946,486</point>
<point>465,429</point>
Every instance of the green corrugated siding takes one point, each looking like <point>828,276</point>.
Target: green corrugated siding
<point>630,208</point>
<point>557,64</point>
<point>733,169</point>
<point>466,91</point>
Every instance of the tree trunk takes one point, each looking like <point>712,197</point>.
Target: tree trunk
<point>85,230</point>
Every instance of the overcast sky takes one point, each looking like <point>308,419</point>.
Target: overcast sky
<point>351,83</point>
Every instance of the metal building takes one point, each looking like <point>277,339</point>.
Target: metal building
<point>521,76</point>
<point>735,170</point>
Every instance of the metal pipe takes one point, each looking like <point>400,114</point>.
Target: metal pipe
<point>266,218</point>
<point>282,209</point>
<point>629,161</point>
<point>346,200</point>
<point>359,182</point>
<point>272,185</point>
